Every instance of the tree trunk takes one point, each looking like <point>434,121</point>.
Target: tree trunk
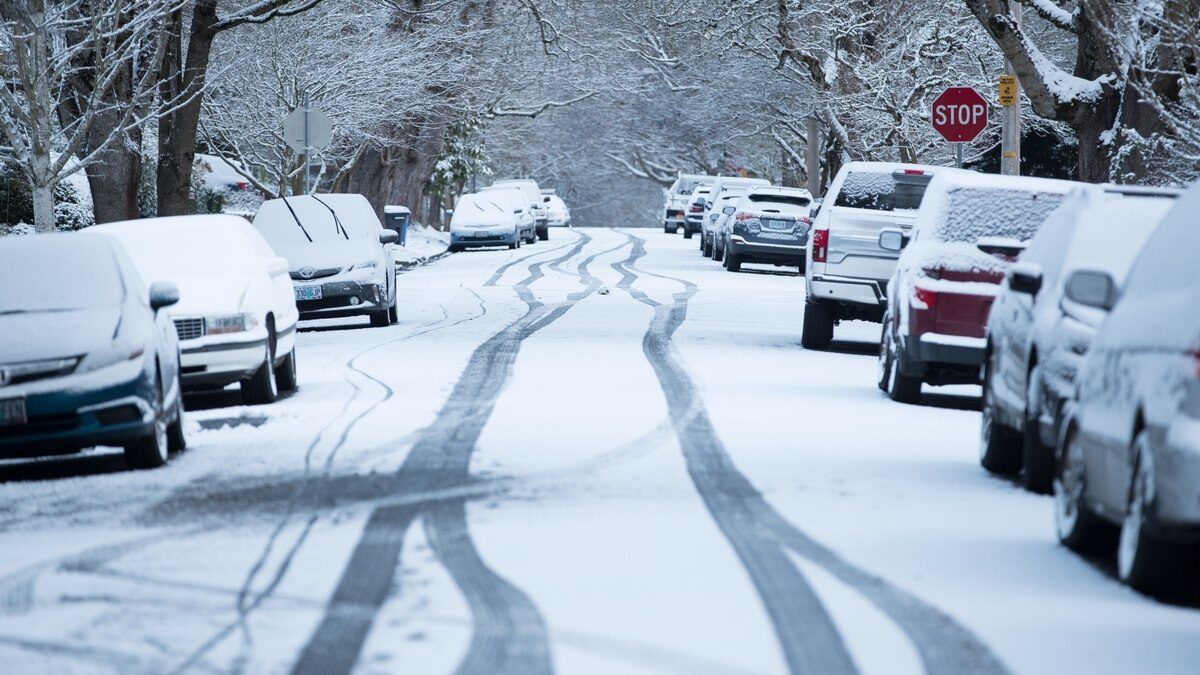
<point>177,130</point>
<point>115,180</point>
<point>43,208</point>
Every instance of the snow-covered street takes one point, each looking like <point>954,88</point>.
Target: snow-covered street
<point>599,454</point>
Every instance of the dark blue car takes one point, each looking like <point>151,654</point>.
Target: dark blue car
<point>86,357</point>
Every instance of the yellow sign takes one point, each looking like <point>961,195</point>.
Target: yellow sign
<point>1008,90</point>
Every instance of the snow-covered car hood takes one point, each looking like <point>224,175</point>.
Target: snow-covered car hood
<point>330,254</point>
<point>206,296</point>
<point>35,336</point>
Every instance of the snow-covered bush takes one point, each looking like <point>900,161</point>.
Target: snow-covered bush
<point>73,203</point>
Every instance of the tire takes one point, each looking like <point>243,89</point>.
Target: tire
<point>544,234</point>
<point>176,440</point>
<point>1000,447</point>
<point>687,234</point>
<point>394,312</point>
<point>706,248</point>
<point>667,229</point>
<point>818,325</point>
<point>380,319</point>
<point>718,253</point>
<point>1078,528</point>
<point>151,451</point>
<point>701,233</point>
<point>285,373</point>
<point>902,388</point>
<point>261,388</point>
<point>883,364</point>
<point>733,262</point>
<point>455,248</point>
<point>1037,459</point>
<point>1146,562</point>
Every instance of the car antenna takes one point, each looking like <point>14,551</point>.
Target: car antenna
<point>297,219</point>
<point>336,221</point>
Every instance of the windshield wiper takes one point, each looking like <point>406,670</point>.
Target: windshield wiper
<point>297,219</point>
<point>336,221</point>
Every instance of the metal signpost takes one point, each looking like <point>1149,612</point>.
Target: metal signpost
<point>959,115</point>
<point>307,129</point>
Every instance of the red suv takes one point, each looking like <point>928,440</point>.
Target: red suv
<point>969,229</point>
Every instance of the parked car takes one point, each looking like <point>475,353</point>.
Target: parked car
<point>1128,469</point>
<point>89,354</point>
<point>534,202</point>
<point>846,272</point>
<point>735,186</point>
<point>237,317</point>
<point>695,210</point>
<point>676,199</point>
<point>767,225</point>
<point>728,198</point>
<point>968,231</point>
<point>558,213</point>
<point>336,253</point>
<point>1036,337</point>
<point>481,220</point>
<point>514,201</point>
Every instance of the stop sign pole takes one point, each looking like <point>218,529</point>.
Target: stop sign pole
<point>959,114</point>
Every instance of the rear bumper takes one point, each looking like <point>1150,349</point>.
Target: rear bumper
<point>864,292</point>
<point>76,416</point>
<point>950,349</point>
<point>792,254</point>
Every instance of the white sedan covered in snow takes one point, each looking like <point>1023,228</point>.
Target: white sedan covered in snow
<point>237,315</point>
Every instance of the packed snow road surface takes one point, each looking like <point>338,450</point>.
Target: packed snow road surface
<point>598,454</point>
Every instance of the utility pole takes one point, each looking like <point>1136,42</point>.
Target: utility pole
<point>812,155</point>
<point>1010,99</point>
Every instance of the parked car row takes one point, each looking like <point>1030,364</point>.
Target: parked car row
<point>1072,305</point>
<point>506,213</point>
<point>105,330</point>
<point>742,220</point>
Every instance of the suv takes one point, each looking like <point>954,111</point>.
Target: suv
<point>533,195</point>
<point>1036,336</point>
<point>846,270</point>
<point>767,225</point>
<point>695,210</point>
<point>970,228</point>
<point>677,200</point>
<point>721,191</point>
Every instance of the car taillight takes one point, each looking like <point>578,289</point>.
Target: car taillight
<point>820,245</point>
<point>805,219</point>
<point>914,172</point>
<point>924,298</point>
<point>744,216</point>
<point>695,208</point>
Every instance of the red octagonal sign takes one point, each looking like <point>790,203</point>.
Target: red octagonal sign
<point>959,114</point>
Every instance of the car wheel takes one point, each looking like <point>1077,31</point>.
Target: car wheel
<point>667,229</point>
<point>707,248</point>
<point>379,319</point>
<point>717,251</point>
<point>1078,528</point>
<point>454,248</point>
<point>1144,561</point>
<point>1038,460</point>
<point>902,388</point>
<point>151,450</point>
<point>285,374</point>
<point>261,388</point>
<point>544,234</point>
<point>883,364</point>
<point>394,311</point>
<point>999,445</point>
<point>687,234</point>
<point>176,441</point>
<point>818,325</point>
<point>733,263</point>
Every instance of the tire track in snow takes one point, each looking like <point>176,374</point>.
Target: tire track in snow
<point>761,537</point>
<point>508,634</point>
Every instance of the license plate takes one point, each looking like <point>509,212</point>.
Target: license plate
<point>308,292</point>
<point>777,225</point>
<point>12,412</point>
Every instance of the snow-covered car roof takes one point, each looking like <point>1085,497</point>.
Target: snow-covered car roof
<point>192,246</point>
<point>59,272</point>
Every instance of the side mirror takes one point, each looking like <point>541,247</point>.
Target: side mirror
<point>892,239</point>
<point>163,294</point>
<point>450,212</point>
<point>729,210</point>
<point>277,266</point>
<point>1091,288</point>
<point>518,210</point>
<point>546,199</point>
<point>1025,278</point>
<point>389,237</point>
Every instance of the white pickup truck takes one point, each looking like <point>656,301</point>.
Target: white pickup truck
<point>675,204</point>
<point>848,271</point>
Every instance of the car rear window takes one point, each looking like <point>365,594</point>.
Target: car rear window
<point>883,191</point>
<point>973,212</point>
<point>780,200</point>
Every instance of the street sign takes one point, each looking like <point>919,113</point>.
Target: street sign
<point>320,129</point>
<point>959,114</point>
<point>1008,90</point>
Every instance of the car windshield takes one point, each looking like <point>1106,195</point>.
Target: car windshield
<point>295,220</point>
<point>883,191</point>
<point>58,278</point>
<point>969,213</point>
<point>789,202</point>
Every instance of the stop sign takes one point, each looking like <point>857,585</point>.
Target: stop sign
<point>959,114</point>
